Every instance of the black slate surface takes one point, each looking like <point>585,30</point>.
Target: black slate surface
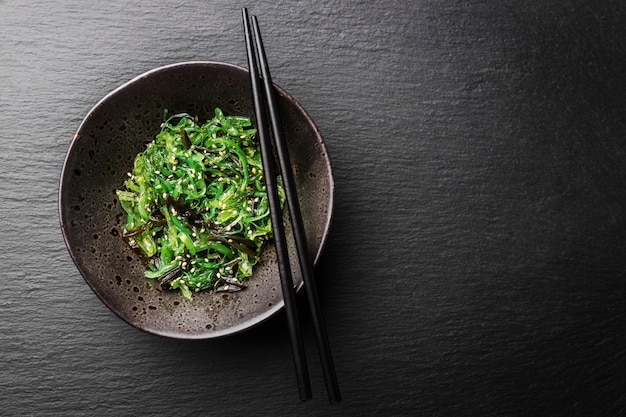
<point>476,262</point>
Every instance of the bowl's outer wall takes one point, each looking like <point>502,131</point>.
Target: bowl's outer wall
<point>102,153</point>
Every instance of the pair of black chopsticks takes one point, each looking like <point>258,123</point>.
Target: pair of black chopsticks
<point>264,105</point>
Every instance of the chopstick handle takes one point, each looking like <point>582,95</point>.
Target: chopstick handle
<point>306,266</point>
<point>295,333</point>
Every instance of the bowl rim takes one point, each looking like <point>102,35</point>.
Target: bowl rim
<point>239,327</point>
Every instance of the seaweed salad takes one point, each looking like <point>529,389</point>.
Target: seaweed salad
<point>196,204</point>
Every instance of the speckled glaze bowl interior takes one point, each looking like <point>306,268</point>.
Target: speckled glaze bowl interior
<point>102,152</point>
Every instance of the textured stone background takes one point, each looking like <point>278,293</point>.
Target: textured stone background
<point>476,263</point>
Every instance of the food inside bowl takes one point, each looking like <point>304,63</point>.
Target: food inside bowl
<point>196,204</point>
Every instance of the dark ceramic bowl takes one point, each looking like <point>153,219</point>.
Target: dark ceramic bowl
<point>101,154</point>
